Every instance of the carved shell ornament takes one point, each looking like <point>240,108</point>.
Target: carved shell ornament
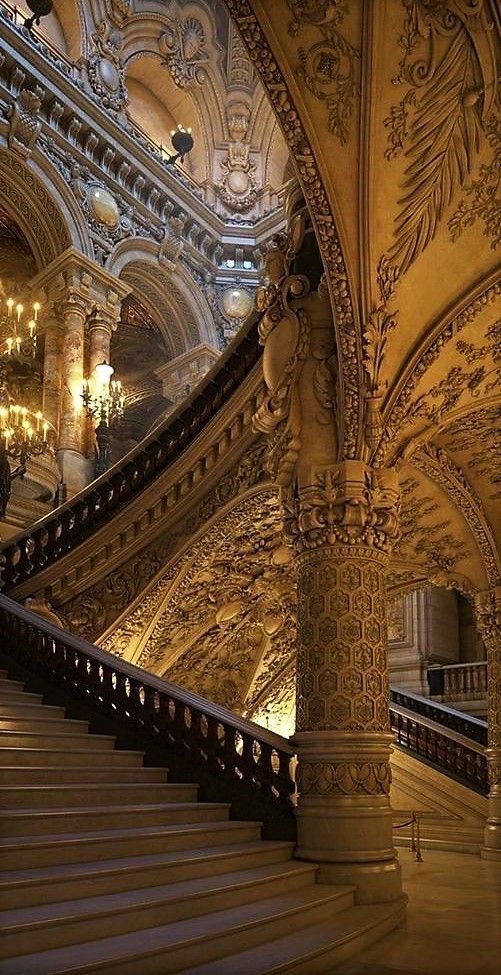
<point>183,47</point>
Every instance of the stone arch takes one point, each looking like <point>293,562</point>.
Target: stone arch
<point>50,220</point>
<point>174,300</point>
<point>64,27</point>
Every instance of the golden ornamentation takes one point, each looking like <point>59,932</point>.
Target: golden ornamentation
<point>482,195</point>
<point>453,86</point>
<point>328,68</point>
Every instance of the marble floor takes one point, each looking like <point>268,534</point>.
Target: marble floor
<point>453,921</point>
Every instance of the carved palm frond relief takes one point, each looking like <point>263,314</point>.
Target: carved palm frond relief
<point>443,141</point>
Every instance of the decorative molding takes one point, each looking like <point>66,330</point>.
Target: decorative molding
<point>482,199</point>
<point>344,778</point>
<point>346,329</point>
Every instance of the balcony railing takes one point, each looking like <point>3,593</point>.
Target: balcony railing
<point>459,682</point>
<point>72,523</point>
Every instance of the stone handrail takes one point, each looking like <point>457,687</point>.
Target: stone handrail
<point>209,736</point>
<point>61,531</point>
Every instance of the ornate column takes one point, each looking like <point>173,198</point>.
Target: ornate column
<point>73,308</point>
<point>346,523</point>
<point>488,618</point>
<point>101,324</point>
<point>52,370</point>
<point>342,518</point>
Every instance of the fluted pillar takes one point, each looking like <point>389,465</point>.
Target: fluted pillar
<point>488,618</point>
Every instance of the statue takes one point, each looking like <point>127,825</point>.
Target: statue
<point>5,481</point>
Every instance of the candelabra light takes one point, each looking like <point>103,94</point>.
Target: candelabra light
<point>104,402</point>
<point>182,142</point>
<point>18,328</point>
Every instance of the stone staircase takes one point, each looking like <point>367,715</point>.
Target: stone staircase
<point>107,867</point>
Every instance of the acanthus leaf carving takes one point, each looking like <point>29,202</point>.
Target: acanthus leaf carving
<point>183,47</point>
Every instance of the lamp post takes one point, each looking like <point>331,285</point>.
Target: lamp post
<point>40,9</point>
<point>23,434</point>
<point>104,402</point>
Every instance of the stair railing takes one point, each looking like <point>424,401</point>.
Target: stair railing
<point>72,523</point>
<point>205,735</point>
<point>451,741</point>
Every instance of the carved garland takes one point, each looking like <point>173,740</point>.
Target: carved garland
<point>347,331</point>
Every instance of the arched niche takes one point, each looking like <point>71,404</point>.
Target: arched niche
<point>63,27</point>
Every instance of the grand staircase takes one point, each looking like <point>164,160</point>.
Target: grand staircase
<point>108,867</point>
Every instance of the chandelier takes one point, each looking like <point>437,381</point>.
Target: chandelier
<point>103,397</point>
<point>23,433</point>
<point>104,401</point>
<point>18,331</point>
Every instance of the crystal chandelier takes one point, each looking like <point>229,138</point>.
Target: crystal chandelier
<point>24,434</point>
<point>18,331</point>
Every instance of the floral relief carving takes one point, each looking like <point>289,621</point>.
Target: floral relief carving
<point>478,437</point>
<point>24,117</point>
<point>482,200</point>
<point>448,63</point>
<point>328,68</point>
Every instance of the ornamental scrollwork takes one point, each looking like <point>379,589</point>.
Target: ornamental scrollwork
<point>449,66</point>
<point>183,47</point>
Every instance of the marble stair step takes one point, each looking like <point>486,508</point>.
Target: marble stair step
<point>28,822</point>
<point>48,724</point>
<point>25,852</point>
<point>313,950</point>
<point>19,697</point>
<point>71,922</point>
<point>168,948</point>
<point>10,685</point>
<point>27,710</point>
<point>22,888</point>
<point>80,774</point>
<point>56,739</point>
<point>26,756</point>
<point>83,794</point>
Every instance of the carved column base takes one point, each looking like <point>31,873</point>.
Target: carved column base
<point>76,470</point>
<point>344,817</point>
<point>492,834</point>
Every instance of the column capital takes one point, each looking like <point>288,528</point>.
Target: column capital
<point>488,614</point>
<point>74,272</point>
<point>347,504</point>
